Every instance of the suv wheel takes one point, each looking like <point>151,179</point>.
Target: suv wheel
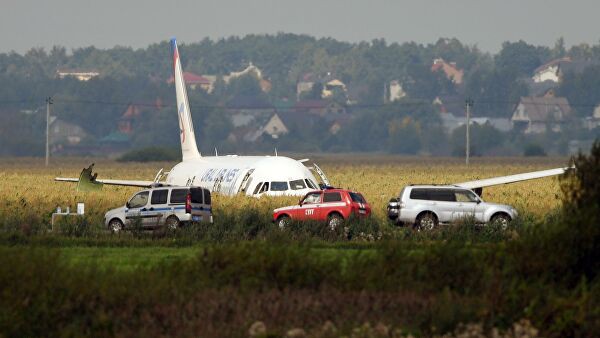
<point>284,222</point>
<point>426,221</point>
<point>334,221</point>
<point>115,225</point>
<point>172,222</point>
<point>501,219</point>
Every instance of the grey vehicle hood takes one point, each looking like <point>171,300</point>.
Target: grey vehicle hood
<point>114,212</point>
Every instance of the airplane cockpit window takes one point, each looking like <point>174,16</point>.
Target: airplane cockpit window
<point>310,183</point>
<point>312,198</point>
<point>264,188</point>
<point>257,187</point>
<point>279,186</point>
<point>297,185</point>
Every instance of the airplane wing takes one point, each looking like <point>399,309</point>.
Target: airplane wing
<point>130,183</point>
<point>488,182</point>
<point>88,182</point>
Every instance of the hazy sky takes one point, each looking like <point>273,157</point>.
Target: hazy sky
<point>106,23</point>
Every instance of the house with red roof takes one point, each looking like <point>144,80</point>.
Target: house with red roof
<point>449,68</point>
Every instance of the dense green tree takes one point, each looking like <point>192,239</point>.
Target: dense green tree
<point>522,57</point>
<point>482,138</point>
<point>582,90</point>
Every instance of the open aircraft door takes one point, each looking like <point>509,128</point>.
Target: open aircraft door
<point>246,179</point>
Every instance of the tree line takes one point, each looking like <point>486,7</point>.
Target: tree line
<point>494,81</point>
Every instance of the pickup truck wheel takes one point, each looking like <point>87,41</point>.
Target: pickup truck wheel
<point>334,221</point>
<point>426,221</point>
<point>501,219</point>
<point>115,225</point>
<point>284,222</point>
<point>172,222</point>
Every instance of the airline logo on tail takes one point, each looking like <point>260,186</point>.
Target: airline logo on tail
<point>181,129</point>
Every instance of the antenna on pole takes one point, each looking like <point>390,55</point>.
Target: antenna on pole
<point>48,103</point>
<point>468,104</point>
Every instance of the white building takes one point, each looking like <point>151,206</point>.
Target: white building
<point>396,92</point>
<point>81,75</point>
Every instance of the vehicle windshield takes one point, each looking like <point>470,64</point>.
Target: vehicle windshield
<point>139,200</point>
<point>279,186</point>
<point>297,185</point>
<point>356,197</point>
<point>312,198</point>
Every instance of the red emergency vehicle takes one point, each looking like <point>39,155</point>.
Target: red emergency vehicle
<point>331,205</point>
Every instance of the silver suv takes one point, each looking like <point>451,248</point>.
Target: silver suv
<point>162,206</point>
<point>426,206</point>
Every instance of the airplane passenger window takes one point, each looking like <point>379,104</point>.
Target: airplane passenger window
<point>297,185</point>
<point>279,186</point>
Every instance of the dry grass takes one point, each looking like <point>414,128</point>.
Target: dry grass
<point>27,187</point>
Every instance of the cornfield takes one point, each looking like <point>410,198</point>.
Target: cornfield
<point>28,191</point>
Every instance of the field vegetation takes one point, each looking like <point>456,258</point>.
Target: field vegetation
<point>242,276</point>
<point>29,192</point>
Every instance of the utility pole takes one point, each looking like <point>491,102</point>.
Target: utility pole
<point>468,104</point>
<point>48,103</point>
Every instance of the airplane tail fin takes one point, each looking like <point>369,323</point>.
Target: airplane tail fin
<point>189,149</point>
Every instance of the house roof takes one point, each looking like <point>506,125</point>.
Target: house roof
<point>540,88</point>
<point>555,62</point>
<point>567,64</point>
<point>543,109</point>
<point>191,78</point>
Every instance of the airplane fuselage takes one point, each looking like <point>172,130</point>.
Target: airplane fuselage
<point>230,175</point>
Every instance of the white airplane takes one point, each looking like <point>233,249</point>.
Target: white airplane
<point>251,175</point>
<point>228,175</point>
